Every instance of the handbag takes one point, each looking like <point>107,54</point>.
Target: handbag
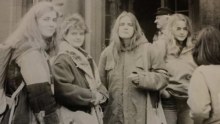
<point>76,117</point>
<point>155,115</point>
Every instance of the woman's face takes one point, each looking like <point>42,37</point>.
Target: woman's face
<point>126,28</point>
<point>47,24</point>
<point>180,30</point>
<point>75,37</point>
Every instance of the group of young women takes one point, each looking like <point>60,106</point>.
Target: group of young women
<point>51,79</point>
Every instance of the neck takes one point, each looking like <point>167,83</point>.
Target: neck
<point>126,42</point>
<point>181,43</point>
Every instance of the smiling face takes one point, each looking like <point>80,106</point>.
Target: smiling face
<point>126,28</point>
<point>179,30</point>
<point>75,37</point>
<point>47,24</point>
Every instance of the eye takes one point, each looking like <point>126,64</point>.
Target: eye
<point>130,24</point>
<point>178,28</point>
<point>82,33</point>
<point>121,24</point>
<point>73,33</point>
<point>185,28</point>
<point>54,19</point>
<point>46,19</point>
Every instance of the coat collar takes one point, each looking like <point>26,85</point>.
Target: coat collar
<point>79,56</point>
<point>110,63</point>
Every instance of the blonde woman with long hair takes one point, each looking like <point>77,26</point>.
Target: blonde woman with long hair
<point>28,77</point>
<point>176,49</point>
<point>127,69</point>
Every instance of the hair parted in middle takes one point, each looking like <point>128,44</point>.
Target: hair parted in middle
<point>180,17</point>
<point>28,27</point>
<point>115,40</point>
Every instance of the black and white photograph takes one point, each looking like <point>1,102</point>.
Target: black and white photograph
<point>109,61</point>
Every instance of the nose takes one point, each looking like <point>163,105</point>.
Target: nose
<point>182,32</point>
<point>125,27</point>
<point>52,24</point>
<point>155,21</point>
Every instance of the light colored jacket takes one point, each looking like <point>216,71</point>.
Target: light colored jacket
<point>204,94</point>
<point>128,103</point>
<point>180,65</point>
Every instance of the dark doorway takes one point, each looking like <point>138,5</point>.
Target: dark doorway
<point>145,12</point>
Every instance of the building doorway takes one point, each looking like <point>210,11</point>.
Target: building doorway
<point>145,12</point>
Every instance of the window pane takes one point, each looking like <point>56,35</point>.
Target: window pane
<point>108,23</point>
<point>171,4</point>
<point>107,7</point>
<point>182,4</point>
<point>184,13</point>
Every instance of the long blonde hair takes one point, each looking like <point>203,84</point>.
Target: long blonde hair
<point>115,40</point>
<point>28,27</point>
<point>179,17</point>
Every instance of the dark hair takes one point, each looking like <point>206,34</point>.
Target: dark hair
<point>207,48</point>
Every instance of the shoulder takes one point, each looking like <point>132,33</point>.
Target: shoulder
<point>62,58</point>
<point>106,52</point>
<point>22,47</point>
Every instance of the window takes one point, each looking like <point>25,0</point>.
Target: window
<point>178,6</point>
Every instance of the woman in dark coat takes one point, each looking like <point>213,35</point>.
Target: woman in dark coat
<point>77,83</point>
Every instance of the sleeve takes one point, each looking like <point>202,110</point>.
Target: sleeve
<point>34,67</point>
<point>102,71</point>
<point>155,78</point>
<point>199,99</point>
<point>161,46</point>
<point>67,92</point>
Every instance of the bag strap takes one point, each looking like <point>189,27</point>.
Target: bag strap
<point>14,101</point>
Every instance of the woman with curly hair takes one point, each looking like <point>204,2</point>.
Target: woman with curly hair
<point>78,88</point>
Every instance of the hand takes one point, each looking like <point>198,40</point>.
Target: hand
<point>165,94</point>
<point>98,98</point>
<point>134,78</point>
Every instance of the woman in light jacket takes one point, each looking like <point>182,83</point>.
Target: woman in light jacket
<point>176,49</point>
<point>78,88</point>
<point>204,88</point>
<point>28,79</point>
<point>130,69</point>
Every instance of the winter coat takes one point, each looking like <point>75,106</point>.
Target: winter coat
<point>127,102</point>
<point>204,94</point>
<point>179,64</point>
<point>76,77</point>
<point>28,65</point>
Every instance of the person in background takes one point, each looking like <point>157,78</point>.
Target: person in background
<point>60,7</point>
<point>78,88</point>
<point>204,88</point>
<point>176,49</point>
<point>162,18</point>
<point>130,69</point>
<point>28,77</point>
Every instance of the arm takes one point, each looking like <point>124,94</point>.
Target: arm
<point>34,67</point>
<point>67,91</point>
<point>155,77</point>
<point>199,99</point>
<point>102,71</point>
<point>35,72</point>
